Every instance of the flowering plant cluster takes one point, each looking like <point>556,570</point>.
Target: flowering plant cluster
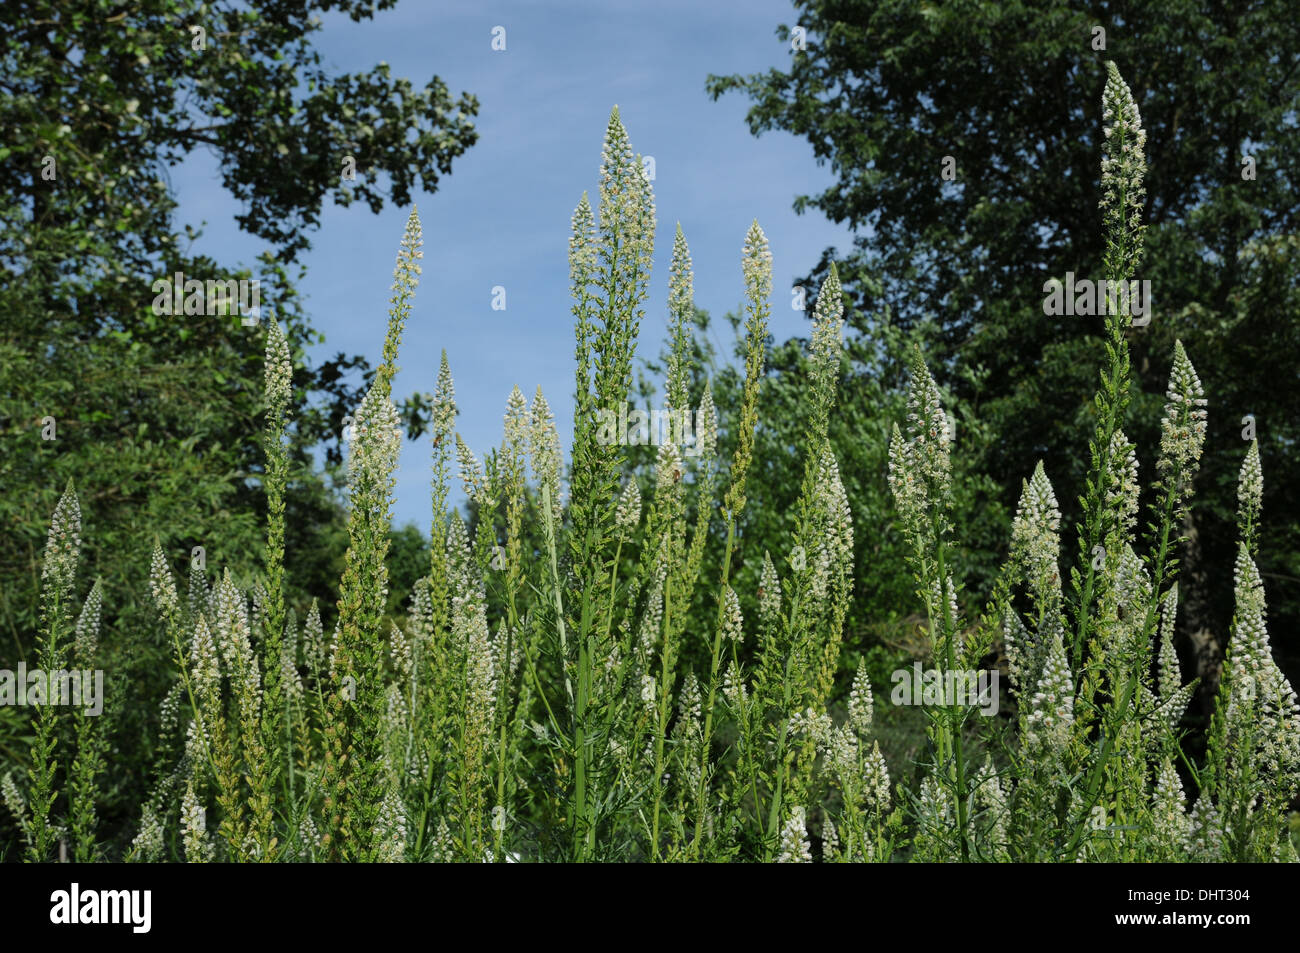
<point>549,694</point>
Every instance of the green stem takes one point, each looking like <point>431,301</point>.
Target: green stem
<point>713,687</point>
<point>954,720</point>
<point>661,726</point>
<point>1103,758</point>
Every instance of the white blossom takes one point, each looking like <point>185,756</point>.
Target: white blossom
<point>795,848</point>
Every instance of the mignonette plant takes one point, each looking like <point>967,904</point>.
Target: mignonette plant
<point>551,695</point>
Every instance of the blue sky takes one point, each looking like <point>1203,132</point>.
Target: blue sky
<point>502,216</point>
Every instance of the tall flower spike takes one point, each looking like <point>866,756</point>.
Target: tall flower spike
<point>841,757</point>
<point>374,452</point>
<point>516,423</point>
<point>234,641</point>
<point>827,335</point>
<point>1182,431</point>
<point>419,617</point>
<point>582,243</point>
<point>830,841</point>
<point>443,844</point>
<point>390,829</point>
<point>1034,532</point>
<point>481,673</point>
<point>332,650</point>
<point>681,314</point>
<point>648,691</point>
<point>278,374</point>
<point>1123,172</point>
<point>148,844</point>
<point>1132,582</point>
<point>1015,642</point>
<point>544,447</point>
<point>1052,706</point>
<point>860,704</point>
<point>62,546</point>
<point>194,828</point>
<point>196,592</point>
<point>1250,493</point>
<point>583,258</point>
<point>399,649</point>
<point>645,204</point>
<point>668,470</point>
<point>628,513</point>
<point>794,839</point>
<point>289,676</point>
<point>733,623</point>
<point>934,808</point>
<point>653,616</point>
<point>733,688</point>
<point>1171,674</point>
<point>1169,810</point>
<point>1204,836</point>
<point>313,638</point>
<point>769,592</point>
<point>444,405</point>
<point>406,275</point>
<point>1249,658</point>
<point>948,593</point>
<point>706,424</point>
<point>1279,746</point>
<point>688,701</point>
<point>1174,695</point>
<point>908,491</point>
<point>471,474</point>
<point>815,725</point>
<point>87,640</point>
<point>459,560</point>
<point>626,198</point>
<point>838,538</point>
<point>169,712</point>
<point>992,795</point>
<point>13,800</point>
<point>162,584</point>
<point>928,432</point>
<point>1123,489</point>
<point>689,730</point>
<point>875,777</point>
<point>757,264</point>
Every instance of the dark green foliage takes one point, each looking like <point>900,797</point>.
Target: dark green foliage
<point>887,89</point>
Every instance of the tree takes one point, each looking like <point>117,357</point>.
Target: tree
<point>952,131</point>
<point>155,414</point>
